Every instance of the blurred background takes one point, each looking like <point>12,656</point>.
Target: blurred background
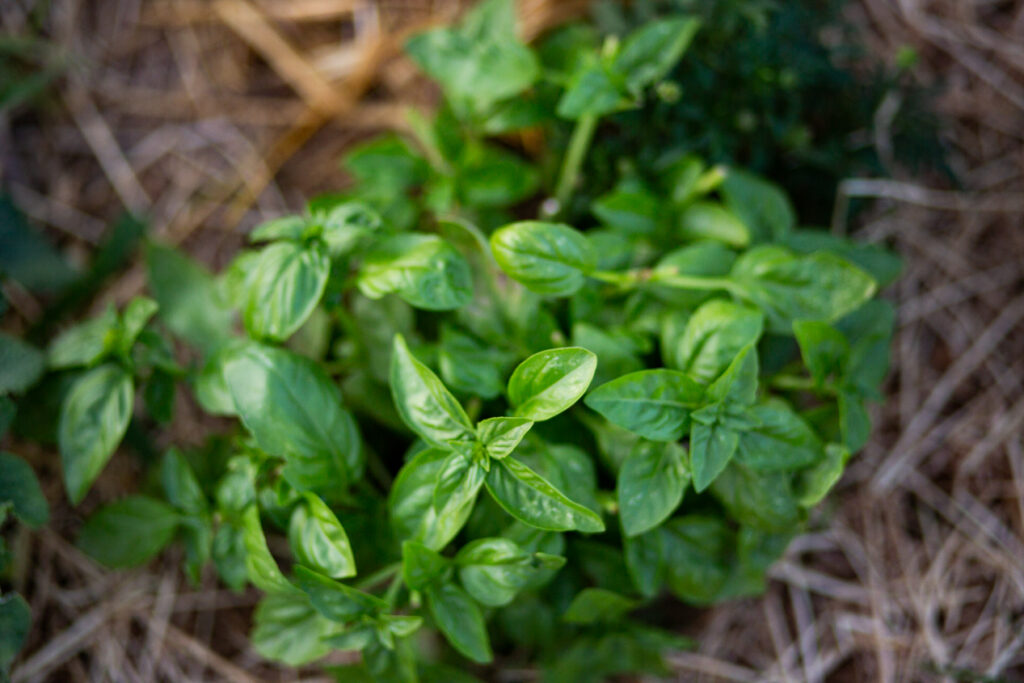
<point>190,121</point>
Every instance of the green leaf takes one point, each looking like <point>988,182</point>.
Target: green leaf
<point>281,228</point>
<point>335,600</point>
<point>389,163</point>
<point>190,303</point>
<point>633,211</point>
<point>411,502</point>
<point>129,532</point>
<point>287,629</point>
<point>426,406</point>
<point>396,665</point>
<point>15,622</point>
<point>493,570</point>
<point>19,487</point>
<point>650,52</point>
<point>695,553</point>
<point>650,485</point>
<point>260,564</point>
<point>283,287</point>
<point>421,566</point>
<point>594,90</point>
<point>643,555</point>
<point>711,449</point>
<point>134,319</point>
<point>294,410</point>
<point>93,420</point>
<point>501,435</point>
<point>20,365</point>
<point>655,404</point>
<point>815,482</point>
<point>708,220</point>
<point>318,540</point>
<point>547,258</point>
<point>424,270</point>
<point>874,259</point>
<point>780,442</point>
<point>347,225</point>
<point>85,343</point>
<point>180,484</point>
<point>854,421</point>
<point>469,366</point>
<point>763,500</point>
<point>738,384</point>
<point>549,382</point>
<point>460,620</point>
<point>616,352</point>
<point>197,539</point>
<point>714,336</point>
<point>869,330</point>
<point>787,287</point>
<point>533,500</point>
<point>228,551</point>
<point>490,176</point>
<point>761,206</point>
<point>825,350</point>
<point>593,605</point>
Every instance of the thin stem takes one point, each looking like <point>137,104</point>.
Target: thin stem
<point>392,593</point>
<point>379,576</point>
<point>630,279</point>
<point>582,135</point>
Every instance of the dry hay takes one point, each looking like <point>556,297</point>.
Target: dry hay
<point>211,115</point>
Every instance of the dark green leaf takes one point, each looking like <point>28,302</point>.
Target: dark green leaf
<point>411,500</point>
<point>335,600</point>
<point>85,343</point>
<point>650,52</point>
<point>655,404</point>
<point>531,499</point>
<point>738,384</point>
<point>592,605</point>
<point>762,206</point>
<point>129,532</point>
<point>548,258</point>
<point>424,403</point>
<point>824,349</point>
<point>283,287</point>
<point>815,482</point>
<point>695,552</point>
<point>781,441</point>
<point>287,629</point>
<point>424,270</point>
<point>633,212</point>
<point>460,620</point>
<point>421,566</point>
<point>650,485</point>
<point>711,449</point>
<point>594,91</point>
<point>714,336</point>
<point>15,622</point>
<point>763,500</point>
<point>469,366</point>
<point>229,555</point>
<point>20,365</point>
<point>180,484</point>
<point>20,488</point>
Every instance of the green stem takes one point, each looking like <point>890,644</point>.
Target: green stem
<point>582,135</point>
<point>379,576</point>
<point>797,383</point>
<point>392,593</point>
<point>631,279</point>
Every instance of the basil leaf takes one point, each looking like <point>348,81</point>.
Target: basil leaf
<point>335,600</point>
<point>85,343</point>
<point>549,382</point>
<point>15,623</point>
<point>421,566</point>
<point>424,270</point>
<point>594,90</point>
<point>397,665</point>
<point>632,211</point>
<point>93,420</point>
<point>180,484</point>
<point>287,629</point>
<point>763,500</point>
<point>593,605</point>
<point>738,384</point>
<point>469,366</point>
<point>781,441</point>
<point>616,352</point>
<point>695,553</point>
<point>547,258</point>
<point>197,539</point>
<point>762,206</point>
<point>282,289</point>
<point>20,365</point>
<point>346,225</point>
<point>708,220</point>
<point>655,404</point>
<point>531,499</point>
<point>650,485</point>
<point>460,620</point>
<point>190,304</point>
<point>501,435</point>
<point>134,319</point>
<point>411,501</point>
<point>815,482</point>
<point>786,287</point>
<point>714,336</point>
<point>294,410</point>
<point>426,406</point>
<point>650,52</point>
<point>228,551</point>
<point>854,421</point>
<point>129,532</point>
<point>825,350</point>
<point>493,570</point>
<point>259,563</point>
<point>281,228</point>
<point>644,561</point>
<point>489,176</point>
<point>318,540</point>
<point>20,488</point>
<point>711,449</point>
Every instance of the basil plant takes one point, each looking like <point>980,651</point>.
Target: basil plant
<point>491,422</point>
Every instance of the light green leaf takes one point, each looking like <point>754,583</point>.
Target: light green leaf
<point>260,564</point>
<point>650,52</point>
<point>651,485</point>
<point>129,532</point>
<point>632,212</point>
<point>421,566</point>
<point>93,420</point>
<point>424,270</point>
<point>318,540</point>
<point>335,600</point>
<point>549,382</point>
<point>494,570</point>
<point>411,500</point>
<point>714,336</point>
<point>85,343</point>
<point>655,404</point>
<point>20,488</point>
<point>460,620</point>
<point>547,258</point>
<point>426,406</point>
<point>593,605</point>
<point>533,500</point>
<point>180,484</point>
<point>761,206</point>
<point>287,629</point>
<point>134,318</point>
<point>711,449</point>
<point>594,90</point>
<point>815,482</point>
<point>501,435</point>
<point>283,287</point>
<point>708,220</point>
<point>294,410</point>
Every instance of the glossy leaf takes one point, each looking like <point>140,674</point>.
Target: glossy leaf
<point>421,566</point>
<point>708,220</point>
<point>655,404</point>
<point>549,382</point>
<point>85,343</point>
<point>547,258</point>
<point>426,406</point>
<point>711,449</point>
<point>501,435</point>
<point>593,605</point>
<point>494,570</point>
<point>411,506</point>
<point>335,600</point>
<point>287,629</point>
<point>531,499</point>
<point>129,532</point>
<point>714,336</point>
<point>263,570</point>
<point>282,289</point>
<point>762,206</point>
<point>423,270</point>
<point>460,620</point>
<point>651,485</point>
<point>318,540</point>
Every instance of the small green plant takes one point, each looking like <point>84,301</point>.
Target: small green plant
<point>505,434</point>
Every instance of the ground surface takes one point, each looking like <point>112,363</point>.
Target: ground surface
<point>209,115</point>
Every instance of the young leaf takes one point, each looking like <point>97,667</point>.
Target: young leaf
<point>459,479</point>
<point>781,441</point>
<point>93,420</point>
<point>815,482</point>
<point>592,605</point>
<point>738,384</point>
<point>421,566</point>
<point>20,487</point>
<point>708,220</point>
<point>650,485</point>
<point>501,435</point>
<point>711,449</point>
<point>180,484</point>
<point>650,52</point>
<point>287,629</point>
<point>762,206</point>
<point>20,365</point>
<point>469,366</point>
<point>129,532</point>
<point>283,287</point>
<point>260,564</point>
<point>547,258</point>
<point>825,350</point>
<point>424,403</point>
<point>549,382</point>
<point>460,621</point>
<point>281,228</point>
<point>228,552</point>
<point>294,410</point>
<point>346,225</point>
<point>411,506</point>
<point>318,540</point>
<point>594,90</point>
<point>714,336</point>
<point>85,343</point>
<point>655,404</point>
<point>493,570</point>
<point>531,499</point>
<point>135,317</point>
<point>423,270</point>
<point>335,600</point>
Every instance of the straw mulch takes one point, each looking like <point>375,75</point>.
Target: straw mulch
<point>209,115</point>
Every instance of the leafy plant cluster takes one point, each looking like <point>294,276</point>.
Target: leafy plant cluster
<point>510,433</point>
